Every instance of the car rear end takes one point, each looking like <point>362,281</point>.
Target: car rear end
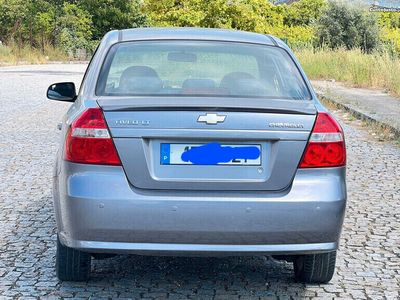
<point>180,152</point>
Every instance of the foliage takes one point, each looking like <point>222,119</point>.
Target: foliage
<point>75,33</point>
<point>389,20</point>
<point>75,25</point>
<point>113,14</point>
<point>44,25</point>
<point>251,15</point>
<point>390,38</point>
<point>305,12</point>
<point>185,13</point>
<point>68,24</point>
<point>348,26</point>
<point>390,31</point>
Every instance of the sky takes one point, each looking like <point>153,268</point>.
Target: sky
<point>387,3</point>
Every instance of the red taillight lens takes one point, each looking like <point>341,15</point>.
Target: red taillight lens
<point>89,142</point>
<point>326,147</point>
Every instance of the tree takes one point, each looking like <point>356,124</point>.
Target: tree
<point>29,21</point>
<point>179,13</point>
<point>348,26</point>
<point>238,14</point>
<point>76,29</point>
<point>113,14</point>
<point>250,15</point>
<point>304,12</point>
<point>44,24</point>
<point>12,16</point>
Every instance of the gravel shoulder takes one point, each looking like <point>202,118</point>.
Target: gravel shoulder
<point>367,104</point>
<point>368,264</point>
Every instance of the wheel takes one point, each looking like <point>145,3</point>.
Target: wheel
<point>315,268</point>
<point>72,264</point>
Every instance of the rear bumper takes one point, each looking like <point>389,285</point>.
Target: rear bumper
<point>193,249</point>
<point>98,211</point>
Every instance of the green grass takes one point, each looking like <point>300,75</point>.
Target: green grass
<point>13,54</point>
<point>378,70</point>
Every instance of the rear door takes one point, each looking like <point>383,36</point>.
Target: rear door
<point>151,140</point>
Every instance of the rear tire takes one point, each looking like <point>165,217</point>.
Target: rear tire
<point>72,264</point>
<point>315,268</point>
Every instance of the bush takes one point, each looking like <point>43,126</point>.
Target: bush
<point>389,24</point>
<point>390,38</point>
<point>348,26</point>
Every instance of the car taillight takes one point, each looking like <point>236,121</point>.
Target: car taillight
<point>89,142</point>
<point>326,147</point>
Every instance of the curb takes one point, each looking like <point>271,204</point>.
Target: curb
<point>359,115</point>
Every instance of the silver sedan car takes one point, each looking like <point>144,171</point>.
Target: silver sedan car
<point>197,142</point>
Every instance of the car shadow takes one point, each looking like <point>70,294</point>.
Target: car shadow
<point>134,276</point>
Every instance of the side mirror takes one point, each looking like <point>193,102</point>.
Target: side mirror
<point>63,91</point>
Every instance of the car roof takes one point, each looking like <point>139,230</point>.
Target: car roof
<point>206,34</point>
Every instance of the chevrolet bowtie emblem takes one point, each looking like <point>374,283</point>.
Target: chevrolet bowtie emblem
<point>211,119</point>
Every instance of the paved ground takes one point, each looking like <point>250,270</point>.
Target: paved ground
<point>368,263</point>
<point>370,104</point>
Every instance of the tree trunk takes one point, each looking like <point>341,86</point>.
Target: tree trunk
<point>17,24</point>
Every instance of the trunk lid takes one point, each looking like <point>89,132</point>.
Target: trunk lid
<point>144,128</point>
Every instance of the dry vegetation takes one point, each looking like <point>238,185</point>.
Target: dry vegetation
<point>12,55</point>
<point>379,70</point>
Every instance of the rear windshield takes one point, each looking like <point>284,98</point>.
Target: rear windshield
<point>199,68</point>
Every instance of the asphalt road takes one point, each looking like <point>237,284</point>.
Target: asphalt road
<point>368,262</point>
